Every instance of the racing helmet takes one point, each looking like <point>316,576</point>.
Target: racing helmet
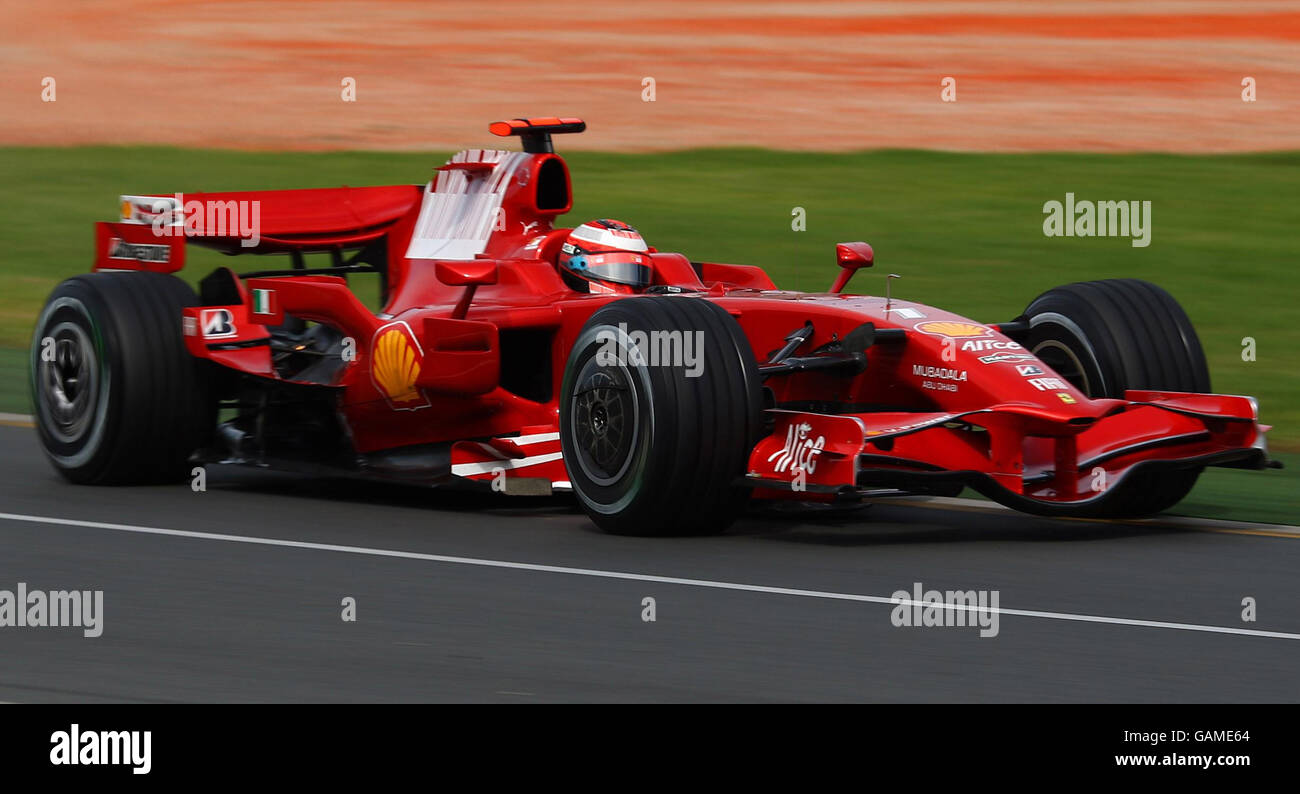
<point>605,256</point>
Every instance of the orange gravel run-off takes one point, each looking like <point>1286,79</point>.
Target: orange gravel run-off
<point>1107,75</point>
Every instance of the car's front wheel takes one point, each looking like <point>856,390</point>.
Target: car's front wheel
<point>659,410</point>
<point>1109,336</point>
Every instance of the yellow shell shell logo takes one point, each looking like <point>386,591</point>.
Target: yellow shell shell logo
<point>396,367</point>
<point>950,328</point>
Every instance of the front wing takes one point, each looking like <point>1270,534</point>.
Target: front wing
<point>1022,455</point>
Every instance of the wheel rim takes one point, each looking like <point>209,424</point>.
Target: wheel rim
<point>1063,360</point>
<point>69,382</point>
<point>604,416</point>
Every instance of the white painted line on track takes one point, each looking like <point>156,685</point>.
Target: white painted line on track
<point>636,577</point>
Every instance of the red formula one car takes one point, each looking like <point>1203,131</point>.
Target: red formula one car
<point>664,392</point>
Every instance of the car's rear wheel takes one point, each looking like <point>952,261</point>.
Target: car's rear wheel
<point>1109,336</point>
<point>654,446</point>
<point>117,398</point>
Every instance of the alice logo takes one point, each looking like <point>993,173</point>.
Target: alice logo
<point>1099,219</point>
<point>800,451</point>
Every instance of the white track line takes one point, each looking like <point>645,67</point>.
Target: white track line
<point>636,577</point>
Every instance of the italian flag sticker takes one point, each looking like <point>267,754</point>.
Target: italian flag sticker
<point>263,301</point>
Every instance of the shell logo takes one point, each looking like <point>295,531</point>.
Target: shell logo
<point>951,328</point>
<point>396,365</point>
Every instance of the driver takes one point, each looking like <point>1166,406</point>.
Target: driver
<point>605,256</point>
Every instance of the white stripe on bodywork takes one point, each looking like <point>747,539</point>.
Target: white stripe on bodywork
<point>536,438</point>
<point>457,213</point>
<point>487,466</point>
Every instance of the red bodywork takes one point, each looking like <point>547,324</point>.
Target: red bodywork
<point>469,263</point>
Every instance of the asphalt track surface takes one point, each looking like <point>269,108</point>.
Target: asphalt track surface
<point>467,597</point>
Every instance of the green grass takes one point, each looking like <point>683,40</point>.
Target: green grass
<point>1242,495</point>
<point>14,395</point>
<point>964,231</point>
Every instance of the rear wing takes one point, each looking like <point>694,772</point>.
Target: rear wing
<point>471,201</point>
<point>152,230</point>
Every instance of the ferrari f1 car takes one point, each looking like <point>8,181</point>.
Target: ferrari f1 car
<point>511,353</point>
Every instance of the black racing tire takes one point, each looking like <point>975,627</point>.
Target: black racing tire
<point>654,447</point>
<point>117,399</point>
<point>1117,334</point>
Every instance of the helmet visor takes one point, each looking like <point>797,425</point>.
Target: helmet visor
<point>617,268</point>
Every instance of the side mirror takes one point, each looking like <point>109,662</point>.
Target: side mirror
<point>470,275</point>
<point>850,257</point>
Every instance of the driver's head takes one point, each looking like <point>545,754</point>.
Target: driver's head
<point>605,256</point>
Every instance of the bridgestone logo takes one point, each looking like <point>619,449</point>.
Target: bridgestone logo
<point>140,252</point>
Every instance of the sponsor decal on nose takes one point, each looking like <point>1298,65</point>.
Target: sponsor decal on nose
<point>951,328</point>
